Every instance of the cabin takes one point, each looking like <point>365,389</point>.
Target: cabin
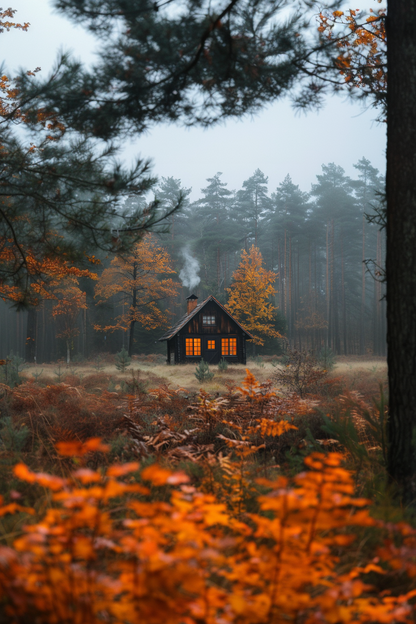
<point>207,331</point>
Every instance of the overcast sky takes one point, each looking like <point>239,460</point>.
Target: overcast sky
<point>276,141</point>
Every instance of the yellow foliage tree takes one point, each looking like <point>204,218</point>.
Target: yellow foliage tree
<point>249,296</point>
<point>136,283</point>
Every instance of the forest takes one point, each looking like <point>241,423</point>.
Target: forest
<point>280,491</point>
<point>326,249</point>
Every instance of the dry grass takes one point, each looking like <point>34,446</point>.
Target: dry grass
<point>181,376</point>
<point>362,374</point>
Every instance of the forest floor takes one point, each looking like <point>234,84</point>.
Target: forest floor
<point>203,493</point>
<point>152,371</point>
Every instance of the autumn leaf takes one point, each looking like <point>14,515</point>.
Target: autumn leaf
<point>160,476</point>
<point>75,448</point>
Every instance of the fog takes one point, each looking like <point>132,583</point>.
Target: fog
<point>276,140</point>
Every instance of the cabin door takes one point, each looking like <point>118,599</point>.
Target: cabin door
<point>212,350</point>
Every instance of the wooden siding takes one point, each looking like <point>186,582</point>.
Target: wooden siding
<point>224,327</point>
<point>223,323</point>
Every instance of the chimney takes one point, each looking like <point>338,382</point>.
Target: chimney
<point>192,302</point>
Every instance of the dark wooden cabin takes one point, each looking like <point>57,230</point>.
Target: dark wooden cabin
<point>206,331</point>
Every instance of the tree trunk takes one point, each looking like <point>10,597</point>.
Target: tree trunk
<point>401,244</point>
<point>131,337</point>
<point>344,308</point>
<point>362,314</point>
<point>31,335</point>
<point>336,340</point>
<point>328,320</point>
<point>285,278</point>
<point>68,352</point>
<point>290,296</point>
<point>134,307</point>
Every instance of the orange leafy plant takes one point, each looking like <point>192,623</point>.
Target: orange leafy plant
<point>105,551</point>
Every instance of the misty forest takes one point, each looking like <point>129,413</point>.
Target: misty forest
<point>326,249</point>
<point>207,395</point>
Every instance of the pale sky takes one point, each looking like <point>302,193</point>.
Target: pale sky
<point>276,140</point>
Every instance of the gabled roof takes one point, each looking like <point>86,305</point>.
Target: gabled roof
<point>183,321</point>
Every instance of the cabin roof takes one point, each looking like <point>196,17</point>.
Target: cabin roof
<point>170,333</point>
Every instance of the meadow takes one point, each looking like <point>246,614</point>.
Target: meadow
<point>152,369</point>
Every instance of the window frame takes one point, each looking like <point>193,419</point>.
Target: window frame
<point>211,346</point>
<point>192,345</point>
<point>229,347</point>
<point>209,323</point>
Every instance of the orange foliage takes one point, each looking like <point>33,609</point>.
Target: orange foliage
<point>136,283</point>
<point>7,25</point>
<point>104,551</point>
<point>46,274</point>
<point>362,50</point>
<point>40,273</point>
<point>62,411</point>
<point>71,300</point>
<point>249,296</point>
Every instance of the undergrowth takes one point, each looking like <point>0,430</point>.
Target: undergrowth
<point>255,506</point>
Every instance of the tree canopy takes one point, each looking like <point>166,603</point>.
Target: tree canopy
<point>249,296</point>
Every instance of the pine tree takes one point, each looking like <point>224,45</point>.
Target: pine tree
<point>368,190</point>
<point>61,196</point>
<point>123,360</point>
<point>216,234</point>
<point>253,204</point>
<point>202,372</point>
<point>338,218</point>
<point>287,235</point>
<point>158,64</point>
<point>222,365</point>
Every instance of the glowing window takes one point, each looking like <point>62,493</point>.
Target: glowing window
<point>229,346</point>
<point>193,346</point>
<point>208,320</point>
<point>211,344</point>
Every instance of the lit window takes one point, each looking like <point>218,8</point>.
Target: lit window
<point>208,320</point>
<point>211,344</point>
<point>229,346</point>
<point>193,346</point>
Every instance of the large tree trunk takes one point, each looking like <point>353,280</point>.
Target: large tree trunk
<point>401,243</point>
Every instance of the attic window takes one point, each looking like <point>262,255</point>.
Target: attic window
<point>208,320</point>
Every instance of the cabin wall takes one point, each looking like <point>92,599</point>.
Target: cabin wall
<point>224,327</point>
<point>224,324</point>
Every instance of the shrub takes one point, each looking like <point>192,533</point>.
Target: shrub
<point>202,372</point>
<point>10,371</point>
<point>175,554</point>
<point>122,360</point>
<point>300,372</point>
<point>98,364</point>
<point>222,365</point>
<point>12,438</point>
<point>326,359</point>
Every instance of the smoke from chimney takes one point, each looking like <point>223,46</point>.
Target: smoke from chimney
<point>189,272</point>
